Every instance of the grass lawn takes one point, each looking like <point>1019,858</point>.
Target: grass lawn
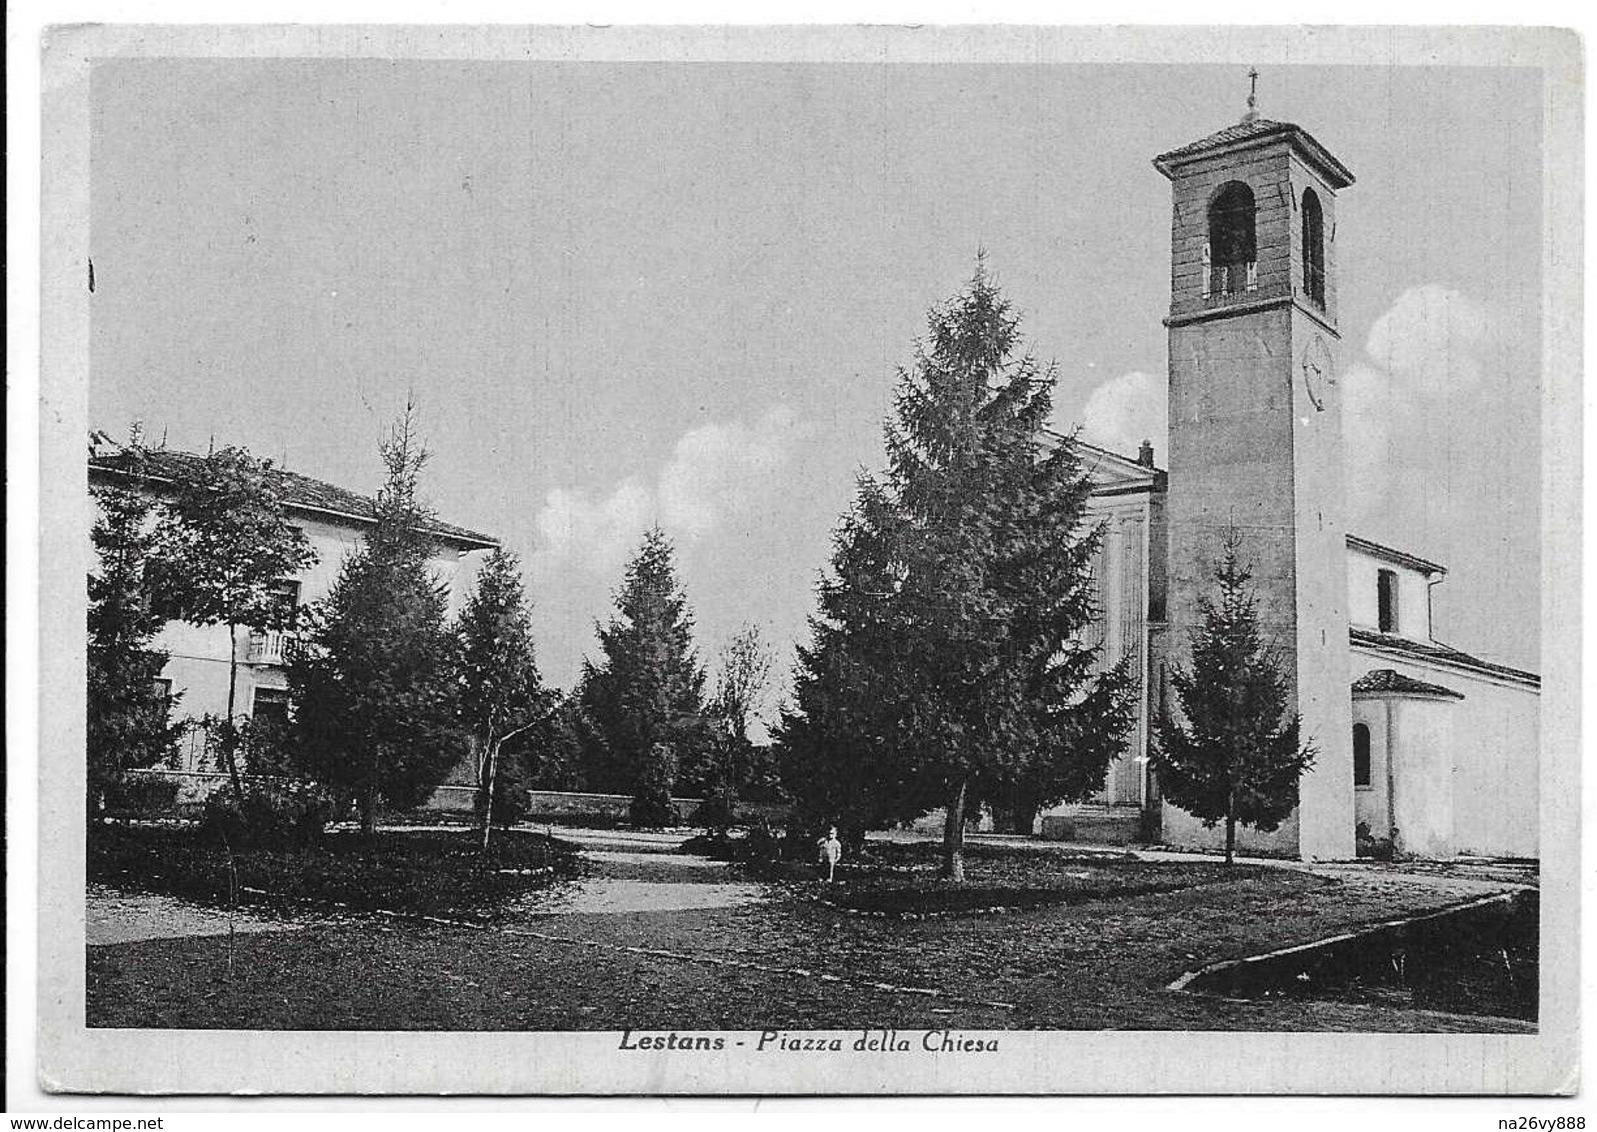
<point>438,872</point>
<point>1088,964</point>
<point>902,881</point>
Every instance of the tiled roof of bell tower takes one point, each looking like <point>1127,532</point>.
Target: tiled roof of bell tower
<point>1248,133</point>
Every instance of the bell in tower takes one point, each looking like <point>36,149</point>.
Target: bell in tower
<point>1256,433</point>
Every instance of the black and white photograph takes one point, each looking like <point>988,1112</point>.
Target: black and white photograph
<point>810,560</point>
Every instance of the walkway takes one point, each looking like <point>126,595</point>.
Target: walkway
<point>629,873</point>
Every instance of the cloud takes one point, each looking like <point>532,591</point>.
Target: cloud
<point>1431,340</point>
<point>716,472</point>
<point>1427,351</point>
<point>719,469</point>
<point>1126,410</point>
<point>594,533</point>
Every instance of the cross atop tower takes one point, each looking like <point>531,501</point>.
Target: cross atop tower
<point>1253,97</point>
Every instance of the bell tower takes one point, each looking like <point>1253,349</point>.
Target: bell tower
<point>1256,433</point>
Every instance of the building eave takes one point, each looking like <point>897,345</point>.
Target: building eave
<point>1389,684</point>
<point>1394,556</point>
<point>445,533</point>
<point>1337,175</point>
<point>1112,473</point>
<point>1445,656</point>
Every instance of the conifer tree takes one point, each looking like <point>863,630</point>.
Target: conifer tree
<point>834,739</point>
<point>128,712</point>
<point>647,689</point>
<point>374,689</point>
<point>502,699</point>
<point>1236,756</point>
<point>971,672</point>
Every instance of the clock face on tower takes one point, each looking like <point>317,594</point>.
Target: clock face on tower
<point>1319,375</point>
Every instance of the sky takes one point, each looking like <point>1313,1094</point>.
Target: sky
<point>629,293</point>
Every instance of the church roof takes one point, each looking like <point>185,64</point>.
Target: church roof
<point>1390,680</point>
<point>1438,653</point>
<point>1246,133</point>
<point>1112,473</point>
<point>299,493</point>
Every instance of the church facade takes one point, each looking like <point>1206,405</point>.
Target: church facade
<point>1420,747</point>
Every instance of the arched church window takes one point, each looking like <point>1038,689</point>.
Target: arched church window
<point>1361,755</point>
<point>1313,248</point>
<point>1233,249</point>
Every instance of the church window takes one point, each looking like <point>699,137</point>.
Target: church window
<point>1233,249</point>
<point>1313,248</point>
<point>1361,755</point>
<point>1386,600</point>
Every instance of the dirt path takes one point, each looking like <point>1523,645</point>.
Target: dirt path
<point>623,882</point>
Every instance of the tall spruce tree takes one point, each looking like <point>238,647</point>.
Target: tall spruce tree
<point>502,699</point>
<point>232,547</point>
<point>1236,756</point>
<point>972,669</point>
<point>647,689</point>
<point>129,713</point>
<point>834,740</point>
<point>374,691</point>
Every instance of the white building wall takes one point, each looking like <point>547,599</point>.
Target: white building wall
<point>198,667</point>
<point>1121,575</point>
<point>1413,597</point>
<point>1495,740</point>
<point>1421,754</point>
<point>1370,805</point>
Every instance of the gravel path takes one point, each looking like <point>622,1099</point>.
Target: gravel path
<point>622,883</point>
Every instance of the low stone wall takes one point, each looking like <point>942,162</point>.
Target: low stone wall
<point>569,804</point>
<point>195,786</point>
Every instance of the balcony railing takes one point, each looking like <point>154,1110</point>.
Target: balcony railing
<point>272,646</point>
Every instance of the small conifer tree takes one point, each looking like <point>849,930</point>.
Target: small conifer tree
<point>648,687</point>
<point>1235,756</point>
<point>374,691</point>
<point>502,699</point>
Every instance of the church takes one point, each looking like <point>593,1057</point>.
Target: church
<point>1421,749</point>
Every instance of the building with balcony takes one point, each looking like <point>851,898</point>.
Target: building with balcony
<point>334,519</point>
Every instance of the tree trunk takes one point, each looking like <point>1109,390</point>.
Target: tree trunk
<point>954,834</point>
<point>490,780</point>
<point>230,738</point>
<point>368,802</point>
<point>1231,829</point>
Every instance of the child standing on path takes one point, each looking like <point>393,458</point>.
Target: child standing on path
<point>831,852</point>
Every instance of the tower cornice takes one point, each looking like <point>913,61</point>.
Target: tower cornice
<point>1257,135</point>
<point>1273,302</point>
